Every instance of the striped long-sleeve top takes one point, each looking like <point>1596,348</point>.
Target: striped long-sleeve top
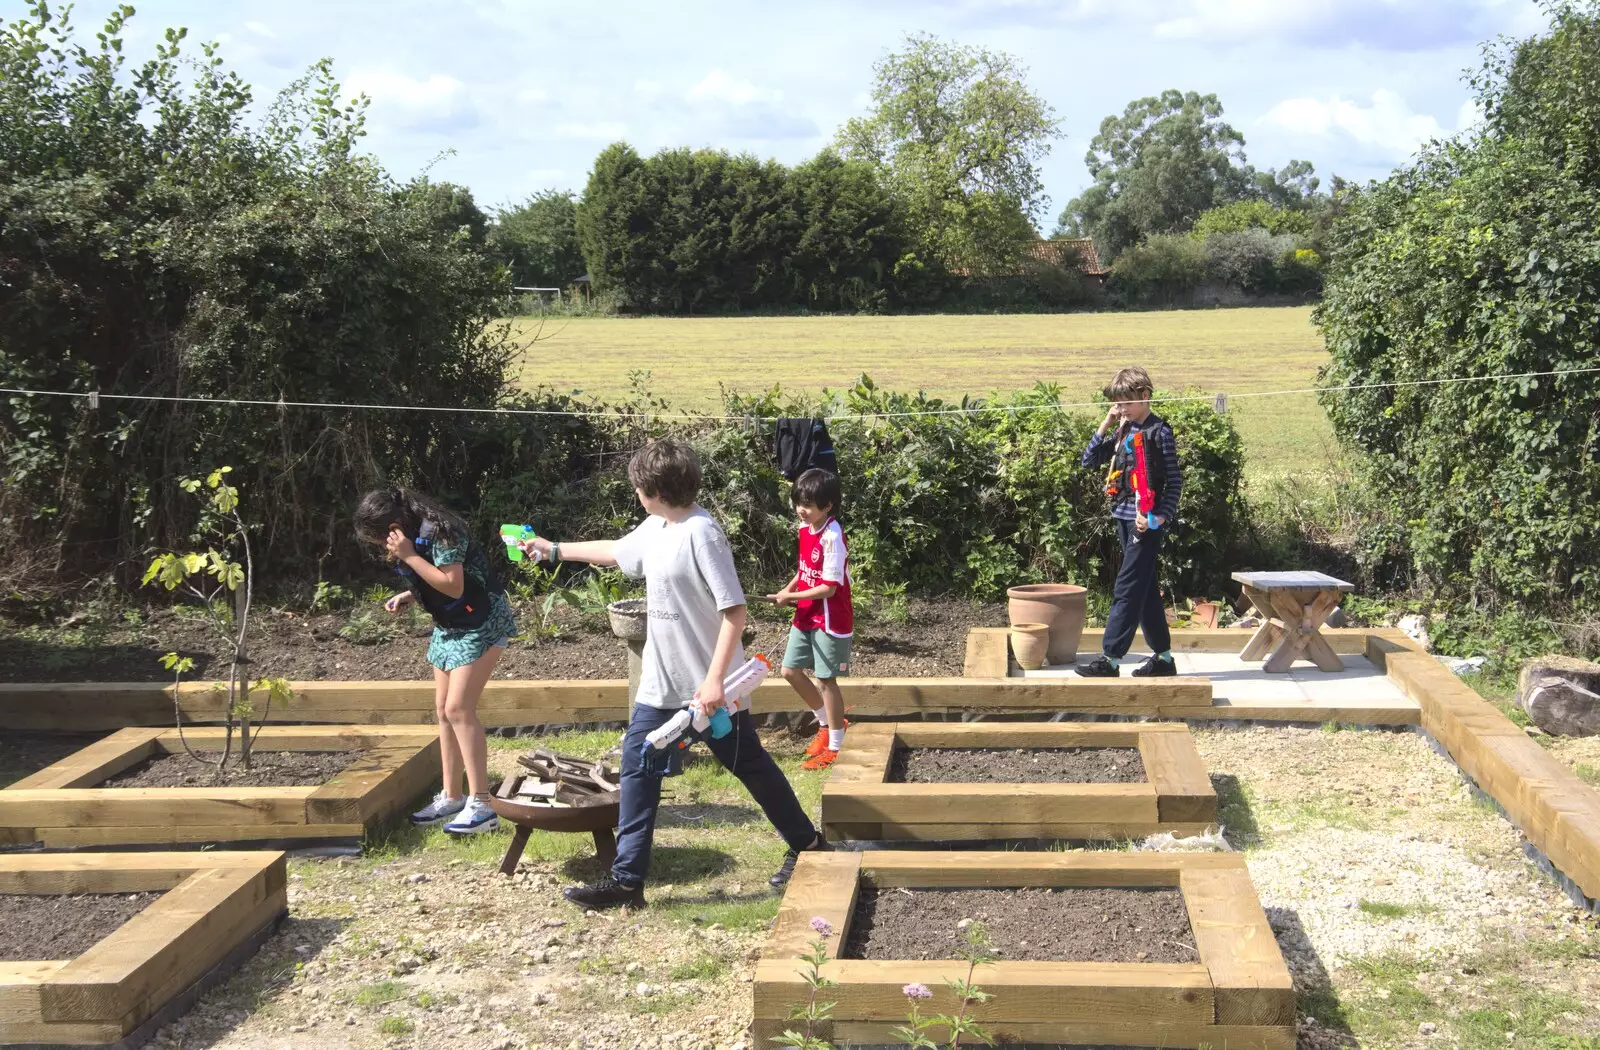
<point>1099,453</point>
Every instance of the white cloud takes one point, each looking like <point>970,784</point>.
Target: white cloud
<point>436,103</point>
<point>1387,124</point>
<point>607,130</point>
<point>719,86</point>
<point>261,29</point>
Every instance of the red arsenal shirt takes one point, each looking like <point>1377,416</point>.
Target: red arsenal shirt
<point>822,561</point>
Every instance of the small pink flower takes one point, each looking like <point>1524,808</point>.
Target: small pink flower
<point>916,991</point>
<point>823,927</point>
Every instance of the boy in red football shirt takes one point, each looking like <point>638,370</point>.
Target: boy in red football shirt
<point>819,641</point>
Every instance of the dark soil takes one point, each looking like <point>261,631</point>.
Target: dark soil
<point>24,753</point>
<point>1016,765</point>
<point>45,927</point>
<point>1024,925</point>
<point>930,642</point>
<point>267,769</point>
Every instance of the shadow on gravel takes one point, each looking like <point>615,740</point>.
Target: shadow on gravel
<point>668,864</point>
<point>707,815</point>
<point>1234,812</point>
<point>265,977</point>
<point>1316,1000</point>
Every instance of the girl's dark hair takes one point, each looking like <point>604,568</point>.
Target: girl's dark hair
<point>817,488</point>
<point>381,509</point>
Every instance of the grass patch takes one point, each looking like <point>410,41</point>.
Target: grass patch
<point>396,1026</point>
<point>743,913</point>
<point>1521,1016</point>
<point>381,993</point>
<point>1588,774</point>
<point>1385,910</point>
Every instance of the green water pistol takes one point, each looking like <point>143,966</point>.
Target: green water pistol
<point>514,536</point>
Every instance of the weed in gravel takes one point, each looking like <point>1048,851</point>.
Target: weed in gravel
<point>396,1026</point>
<point>1588,774</point>
<point>705,968</point>
<point>1521,1016</point>
<point>380,993</point>
<point>1327,810</point>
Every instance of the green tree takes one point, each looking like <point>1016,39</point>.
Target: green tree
<point>1481,259</point>
<point>1162,164</point>
<point>961,136</point>
<point>538,240</point>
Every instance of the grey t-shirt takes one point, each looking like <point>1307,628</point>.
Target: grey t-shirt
<point>689,580</point>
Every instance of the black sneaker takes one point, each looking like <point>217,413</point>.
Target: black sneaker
<point>607,893</point>
<point>1155,667</point>
<point>1099,667</point>
<point>780,878</point>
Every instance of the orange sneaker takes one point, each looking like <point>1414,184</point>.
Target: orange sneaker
<point>819,743</point>
<point>821,760</point>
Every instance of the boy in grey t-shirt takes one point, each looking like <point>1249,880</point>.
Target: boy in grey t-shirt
<point>697,614</point>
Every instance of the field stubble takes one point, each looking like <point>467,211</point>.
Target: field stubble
<point>690,359</point>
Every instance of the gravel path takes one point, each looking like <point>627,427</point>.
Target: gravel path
<point>1400,902</point>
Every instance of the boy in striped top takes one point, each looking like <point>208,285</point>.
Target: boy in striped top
<point>819,640</point>
<point>1136,597</point>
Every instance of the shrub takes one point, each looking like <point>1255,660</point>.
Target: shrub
<point>1165,270</point>
<point>1481,260</point>
<point>1248,260</point>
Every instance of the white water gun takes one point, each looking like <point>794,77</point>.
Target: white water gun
<point>736,691</point>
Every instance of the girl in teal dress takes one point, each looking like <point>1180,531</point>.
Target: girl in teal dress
<point>449,575</point>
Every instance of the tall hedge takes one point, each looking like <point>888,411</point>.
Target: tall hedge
<point>1483,259</point>
<point>938,502</point>
<point>154,241</point>
<point>688,231</point>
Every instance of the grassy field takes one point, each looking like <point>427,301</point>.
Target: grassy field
<point>1235,351</point>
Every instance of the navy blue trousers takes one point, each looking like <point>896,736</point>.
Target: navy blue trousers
<point>740,752</point>
<point>1136,596</point>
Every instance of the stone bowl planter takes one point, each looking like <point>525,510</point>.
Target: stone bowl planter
<point>1030,644</point>
<point>1060,606</point>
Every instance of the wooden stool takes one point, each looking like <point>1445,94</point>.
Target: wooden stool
<point>1293,608</point>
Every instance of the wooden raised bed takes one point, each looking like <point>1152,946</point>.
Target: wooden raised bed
<point>858,802</point>
<point>1237,995</point>
<point>61,807</point>
<point>216,910</point>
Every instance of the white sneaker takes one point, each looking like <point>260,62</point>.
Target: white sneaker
<point>441,809</point>
<point>475,817</point>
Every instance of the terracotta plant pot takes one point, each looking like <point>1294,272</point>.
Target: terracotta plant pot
<point>1030,644</point>
<point>1061,607</point>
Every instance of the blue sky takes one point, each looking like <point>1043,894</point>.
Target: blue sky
<point>526,93</point>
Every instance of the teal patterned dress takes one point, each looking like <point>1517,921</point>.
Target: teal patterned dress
<point>451,649</point>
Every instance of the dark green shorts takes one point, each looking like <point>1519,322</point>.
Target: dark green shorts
<point>818,652</point>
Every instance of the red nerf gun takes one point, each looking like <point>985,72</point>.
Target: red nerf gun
<point>1143,494</point>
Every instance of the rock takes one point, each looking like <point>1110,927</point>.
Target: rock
<point>1338,618</point>
<point>1415,627</point>
<point>641,989</point>
<point>1462,668</point>
<point>416,878</point>
<point>1427,1028</point>
<point>1562,695</point>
